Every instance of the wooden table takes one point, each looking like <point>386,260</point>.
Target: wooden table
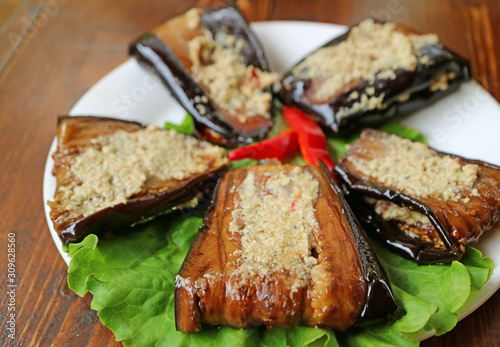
<point>52,51</point>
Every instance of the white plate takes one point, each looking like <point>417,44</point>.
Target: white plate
<point>466,122</point>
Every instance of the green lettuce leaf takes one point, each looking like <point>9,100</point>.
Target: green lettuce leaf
<point>279,123</point>
<point>186,127</point>
<point>479,268</point>
<point>241,164</point>
<point>394,127</point>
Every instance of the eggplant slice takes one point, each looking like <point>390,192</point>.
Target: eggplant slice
<point>280,246</point>
<point>373,72</point>
<point>214,66</point>
<point>426,205</point>
<point>113,173</point>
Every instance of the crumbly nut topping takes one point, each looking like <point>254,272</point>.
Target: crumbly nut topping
<point>271,243</point>
<point>404,97</point>
<point>417,170</point>
<point>365,103</point>
<point>412,223</point>
<point>119,165</point>
<point>193,17</point>
<point>441,81</point>
<point>371,51</point>
<point>391,211</point>
<point>420,41</point>
<point>235,87</point>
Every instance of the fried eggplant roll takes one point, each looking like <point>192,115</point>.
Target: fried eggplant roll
<point>373,72</point>
<point>214,66</point>
<point>425,204</point>
<point>112,173</point>
<point>279,246</point>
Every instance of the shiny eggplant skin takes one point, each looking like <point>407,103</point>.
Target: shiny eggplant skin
<point>456,223</point>
<point>164,59</point>
<point>206,295</point>
<point>293,90</point>
<point>379,304</point>
<point>73,133</point>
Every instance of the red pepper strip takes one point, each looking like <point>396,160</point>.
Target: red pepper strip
<point>280,146</point>
<point>312,141</point>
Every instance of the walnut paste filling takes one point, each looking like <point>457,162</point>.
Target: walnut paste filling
<point>220,68</point>
<point>118,166</point>
<point>415,169</point>
<point>270,244</point>
<point>372,51</point>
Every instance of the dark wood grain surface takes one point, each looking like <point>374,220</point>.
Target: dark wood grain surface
<point>52,51</point>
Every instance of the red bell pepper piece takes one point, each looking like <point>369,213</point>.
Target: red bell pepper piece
<point>280,146</point>
<point>312,141</point>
